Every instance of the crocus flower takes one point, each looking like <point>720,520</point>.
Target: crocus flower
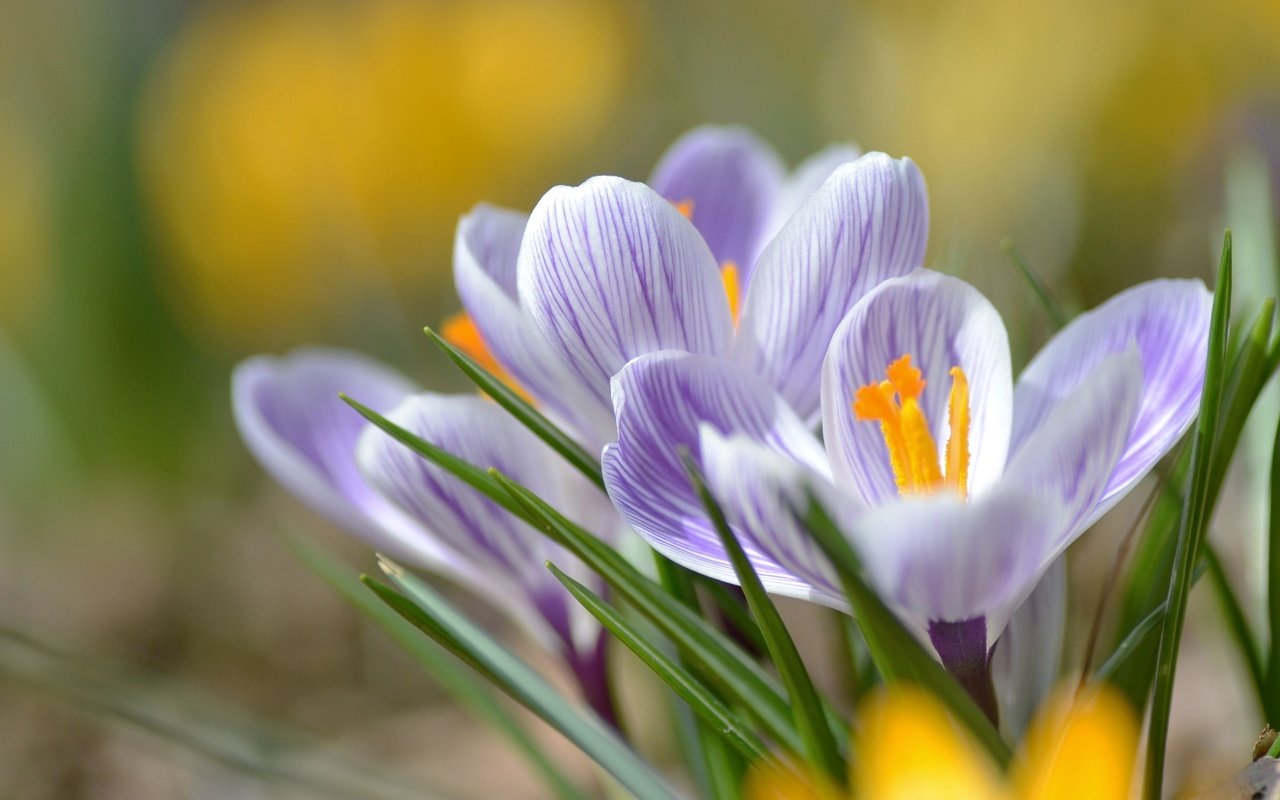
<point>958,487</point>
<point>291,417</point>
<point>604,272</point>
<point>908,747</point>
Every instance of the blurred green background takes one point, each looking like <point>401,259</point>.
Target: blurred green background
<point>183,184</point>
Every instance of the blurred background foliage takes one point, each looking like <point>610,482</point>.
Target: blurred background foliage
<point>186,183</point>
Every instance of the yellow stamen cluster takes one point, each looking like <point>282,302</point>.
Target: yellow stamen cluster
<point>913,454</point>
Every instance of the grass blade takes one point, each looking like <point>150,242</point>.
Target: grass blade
<point>1237,625</point>
<point>580,725</point>
<point>1136,636</point>
<point>1054,311</point>
<point>474,695</point>
<point>1191,529</point>
<point>1272,684</point>
<point>703,702</point>
<point>523,411</point>
<point>897,654</point>
<point>806,705</point>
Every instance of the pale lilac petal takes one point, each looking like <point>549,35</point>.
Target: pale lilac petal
<point>939,559</point>
<point>1168,320</point>
<point>732,179</point>
<point>1028,654</point>
<point>942,322</point>
<point>503,558</point>
<point>484,266</point>
<point>868,222</point>
<point>290,416</point>
<point>1073,453</point>
<point>806,179</point>
<point>764,495</point>
<point>664,401</point>
<point>609,270</point>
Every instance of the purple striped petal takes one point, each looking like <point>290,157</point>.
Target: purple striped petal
<point>1168,320</point>
<point>290,416</point>
<point>939,559</point>
<point>764,494</point>
<point>942,322</point>
<point>665,401</point>
<point>503,558</point>
<point>484,267</point>
<point>1073,453</point>
<point>806,179</point>
<point>1028,654</point>
<point>609,270</point>
<point>868,222</point>
<point>732,179</point>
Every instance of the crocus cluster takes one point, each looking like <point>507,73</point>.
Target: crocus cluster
<point>781,330</point>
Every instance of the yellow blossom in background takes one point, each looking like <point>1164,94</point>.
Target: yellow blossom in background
<point>908,747</point>
<point>294,153</point>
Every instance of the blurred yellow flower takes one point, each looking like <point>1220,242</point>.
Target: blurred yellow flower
<point>296,152</point>
<point>25,233</point>
<point>908,747</point>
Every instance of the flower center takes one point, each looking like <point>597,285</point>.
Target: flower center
<point>913,454</point>
<point>728,270</point>
<point>460,331</point>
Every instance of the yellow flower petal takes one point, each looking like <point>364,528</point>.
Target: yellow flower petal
<point>909,748</point>
<point>773,780</point>
<point>1079,747</point>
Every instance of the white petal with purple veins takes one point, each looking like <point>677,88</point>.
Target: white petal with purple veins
<point>1028,654</point>
<point>1168,320</point>
<point>939,559</point>
<point>666,401</point>
<point>609,270</point>
<point>732,179</point>
<point>942,322</point>
<point>290,416</point>
<point>484,265</point>
<point>868,222</point>
<point>806,179</point>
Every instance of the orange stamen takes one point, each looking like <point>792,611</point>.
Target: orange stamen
<point>913,453</point>
<point>729,274</point>
<point>685,207</point>
<point>460,331</point>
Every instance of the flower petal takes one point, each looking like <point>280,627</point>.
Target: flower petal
<point>1169,322</point>
<point>806,179</point>
<point>665,401</point>
<point>484,267</point>
<point>1073,453</point>
<point>501,557</point>
<point>731,178</point>
<point>868,222</point>
<point>939,559</point>
<point>1028,654</point>
<point>609,270</point>
<point>942,322</point>
<point>289,414</point>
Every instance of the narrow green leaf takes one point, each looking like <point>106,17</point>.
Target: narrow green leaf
<point>1272,708</point>
<point>1237,625</point>
<point>713,656</point>
<point>897,654</point>
<point>1191,529</point>
<point>819,748</point>
<point>582,726</point>
<point>474,695</point>
<point>523,411</point>
<point>1054,311</point>
<point>703,702</point>
<point>1136,636</point>
<point>735,616</point>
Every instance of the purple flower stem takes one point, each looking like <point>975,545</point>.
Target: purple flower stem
<point>962,646</point>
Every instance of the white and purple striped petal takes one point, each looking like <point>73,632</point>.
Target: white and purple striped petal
<point>868,222</point>
<point>731,179</point>
<point>668,401</point>
<point>807,178</point>
<point>292,419</point>
<point>941,322</point>
<point>505,558</point>
<point>1168,321</point>
<point>485,253</point>
<point>609,270</point>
